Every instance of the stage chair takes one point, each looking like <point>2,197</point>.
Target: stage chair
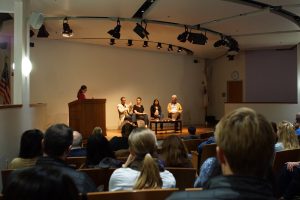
<point>192,144</point>
<point>145,194</point>
<point>185,177</point>
<point>281,157</point>
<point>76,162</point>
<point>99,176</point>
<point>4,175</point>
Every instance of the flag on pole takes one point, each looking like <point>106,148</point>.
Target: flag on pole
<point>5,84</point>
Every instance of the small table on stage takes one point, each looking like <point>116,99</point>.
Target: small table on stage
<point>165,121</point>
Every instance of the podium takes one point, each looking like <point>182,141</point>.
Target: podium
<point>85,115</point>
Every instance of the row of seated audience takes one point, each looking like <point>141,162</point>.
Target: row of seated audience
<point>243,138</point>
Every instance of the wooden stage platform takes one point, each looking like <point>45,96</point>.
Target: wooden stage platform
<point>161,135</point>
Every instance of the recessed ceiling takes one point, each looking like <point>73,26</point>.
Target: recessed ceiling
<point>252,27</point>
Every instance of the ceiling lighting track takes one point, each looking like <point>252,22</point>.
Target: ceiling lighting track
<point>274,9</point>
<point>145,7</point>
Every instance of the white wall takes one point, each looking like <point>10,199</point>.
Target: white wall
<point>59,68</point>
<point>220,72</point>
<point>13,122</point>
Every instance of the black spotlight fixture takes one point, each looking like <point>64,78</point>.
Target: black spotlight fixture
<point>112,41</point>
<point>170,47</point>
<point>197,38</point>
<point>129,43</point>
<point>67,31</point>
<point>179,49</point>
<point>116,31</point>
<point>159,45</point>
<point>221,42</point>
<point>182,37</point>
<point>145,44</point>
<point>140,30</point>
<point>43,33</point>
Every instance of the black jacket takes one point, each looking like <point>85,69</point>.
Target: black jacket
<point>82,181</point>
<point>230,187</point>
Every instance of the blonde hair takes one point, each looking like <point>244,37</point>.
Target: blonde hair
<point>287,136</point>
<point>142,142</point>
<point>174,152</point>
<point>247,140</point>
<point>97,130</point>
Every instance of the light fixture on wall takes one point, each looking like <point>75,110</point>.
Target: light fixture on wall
<point>140,30</point>
<point>170,47</point>
<point>67,31</point>
<point>179,49</point>
<point>43,33</point>
<point>116,31</point>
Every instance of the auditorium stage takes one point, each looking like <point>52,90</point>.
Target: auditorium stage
<point>162,134</point>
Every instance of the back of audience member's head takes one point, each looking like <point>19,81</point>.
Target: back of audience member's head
<point>58,140</point>
<point>31,144</point>
<point>77,139</point>
<point>192,130</point>
<point>40,183</point>
<point>98,147</point>
<point>126,130</point>
<point>142,144</point>
<point>245,142</point>
<point>296,125</point>
<point>174,152</point>
<point>287,135</point>
<point>97,131</point>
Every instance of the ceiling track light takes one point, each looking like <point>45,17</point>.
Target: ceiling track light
<point>141,31</point>
<point>179,49</point>
<point>129,43</point>
<point>67,31</point>
<point>31,33</point>
<point>170,47</point>
<point>112,41</point>
<point>159,45</point>
<point>116,31</point>
<point>183,36</point>
<point>145,44</point>
<point>197,38</point>
<point>43,33</point>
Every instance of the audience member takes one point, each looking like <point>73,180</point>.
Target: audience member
<point>99,153</point>
<point>155,110</point>
<point>57,144</point>
<point>142,169</point>
<point>297,129</point>
<point>118,143</point>
<point>125,111</point>
<point>209,169</point>
<point>81,92</point>
<point>174,153</point>
<point>97,131</point>
<point>287,138</point>
<point>77,150</point>
<point>245,149</point>
<point>192,134</point>
<point>30,149</point>
<point>40,183</point>
<point>138,112</point>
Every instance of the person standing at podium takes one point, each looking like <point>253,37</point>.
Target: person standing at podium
<point>81,92</point>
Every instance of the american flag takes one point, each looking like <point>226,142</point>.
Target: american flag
<point>5,85</point>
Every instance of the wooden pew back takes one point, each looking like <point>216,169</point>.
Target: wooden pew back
<point>76,162</point>
<point>192,144</point>
<point>281,157</point>
<point>185,177</point>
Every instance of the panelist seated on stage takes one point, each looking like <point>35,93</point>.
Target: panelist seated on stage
<point>138,112</point>
<point>155,110</point>
<point>174,109</point>
<point>125,111</point>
